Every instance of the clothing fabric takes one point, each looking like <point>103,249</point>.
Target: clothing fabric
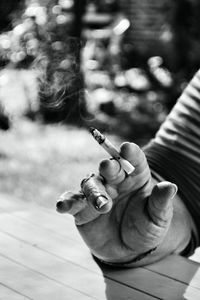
<point>174,153</point>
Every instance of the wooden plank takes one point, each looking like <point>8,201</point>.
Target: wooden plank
<point>116,291</point>
<point>196,256</point>
<point>179,268</point>
<point>7,293</point>
<point>146,274</point>
<point>88,282</point>
<point>161,287</point>
<point>54,268</point>
<point>69,245</point>
<point>79,253</point>
<point>34,285</point>
<point>62,272</point>
<point>62,225</point>
<point>60,246</point>
<point>40,216</point>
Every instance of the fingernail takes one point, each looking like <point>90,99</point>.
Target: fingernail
<point>86,179</point>
<point>175,189</point>
<point>101,201</point>
<point>59,205</point>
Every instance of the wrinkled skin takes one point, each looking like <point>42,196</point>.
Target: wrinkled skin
<point>137,216</point>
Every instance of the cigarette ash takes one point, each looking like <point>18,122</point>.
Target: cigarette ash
<point>99,137</point>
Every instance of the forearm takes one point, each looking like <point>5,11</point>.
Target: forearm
<point>174,153</point>
<point>177,168</point>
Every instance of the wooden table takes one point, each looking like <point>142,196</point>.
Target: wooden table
<point>43,257</point>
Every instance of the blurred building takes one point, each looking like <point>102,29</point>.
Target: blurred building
<point>149,32</point>
<point>167,28</point>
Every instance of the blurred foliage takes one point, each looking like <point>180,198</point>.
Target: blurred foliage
<point>45,39</point>
<point>64,41</point>
<point>134,91</point>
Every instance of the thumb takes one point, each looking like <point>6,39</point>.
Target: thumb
<point>160,204</point>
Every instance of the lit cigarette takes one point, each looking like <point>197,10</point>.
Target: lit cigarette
<point>110,149</point>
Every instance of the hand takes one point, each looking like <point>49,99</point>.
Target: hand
<point>119,216</point>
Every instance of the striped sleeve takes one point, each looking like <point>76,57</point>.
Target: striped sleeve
<point>174,153</point>
<point>181,130</point>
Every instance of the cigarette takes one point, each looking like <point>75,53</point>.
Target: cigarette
<point>112,150</point>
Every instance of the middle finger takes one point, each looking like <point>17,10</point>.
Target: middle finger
<point>111,171</point>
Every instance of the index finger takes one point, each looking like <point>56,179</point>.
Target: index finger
<point>134,154</point>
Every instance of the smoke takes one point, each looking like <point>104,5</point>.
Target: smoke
<point>61,82</point>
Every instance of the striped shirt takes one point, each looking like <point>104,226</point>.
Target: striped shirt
<point>174,153</point>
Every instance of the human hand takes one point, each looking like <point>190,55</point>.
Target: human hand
<point>121,217</point>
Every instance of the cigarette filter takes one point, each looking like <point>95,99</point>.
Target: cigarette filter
<point>111,149</point>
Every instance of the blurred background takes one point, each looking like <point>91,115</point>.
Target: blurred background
<point>66,65</point>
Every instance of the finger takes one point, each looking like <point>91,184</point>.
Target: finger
<point>112,191</point>
<point>142,175</point>
<point>96,194</point>
<point>111,171</point>
<point>71,203</point>
<point>134,154</point>
<point>136,181</point>
<point>160,204</point>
